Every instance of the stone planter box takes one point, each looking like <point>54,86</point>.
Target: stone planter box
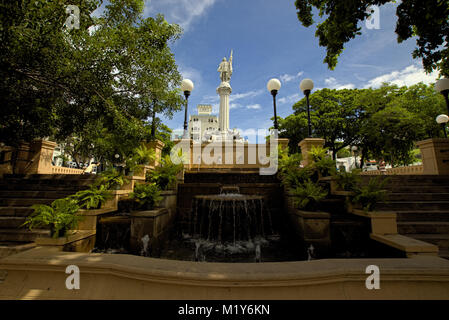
<point>153,224</point>
<point>381,222</point>
<point>75,241</point>
<point>169,201</point>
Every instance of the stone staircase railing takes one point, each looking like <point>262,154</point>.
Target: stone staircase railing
<point>65,170</point>
<point>414,170</point>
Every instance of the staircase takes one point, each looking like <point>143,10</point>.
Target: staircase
<point>19,192</point>
<point>422,206</point>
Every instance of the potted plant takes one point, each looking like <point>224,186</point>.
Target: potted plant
<point>144,155</point>
<point>112,179</point>
<point>165,176</point>
<point>146,195</point>
<point>93,197</point>
<point>60,217</point>
<point>307,195</point>
<point>368,196</point>
<point>322,162</point>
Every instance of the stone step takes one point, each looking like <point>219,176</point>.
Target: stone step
<point>21,235</point>
<point>423,227</point>
<point>441,240</point>
<point>417,189</point>
<point>38,187</point>
<point>411,179</point>
<point>35,194</point>
<point>12,202</point>
<point>28,177</point>
<point>412,205</point>
<point>10,248</point>
<point>11,222</point>
<point>423,196</point>
<point>15,211</point>
<point>444,253</point>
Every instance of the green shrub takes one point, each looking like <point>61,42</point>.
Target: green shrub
<point>165,176</point>
<point>144,155</point>
<point>112,179</point>
<point>94,197</point>
<point>372,193</point>
<point>146,195</point>
<point>60,216</point>
<point>348,181</point>
<point>322,162</point>
<point>307,195</point>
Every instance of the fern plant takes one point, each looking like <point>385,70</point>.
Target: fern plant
<point>165,176</point>
<point>146,196</point>
<point>112,179</point>
<point>93,197</point>
<point>144,155</point>
<point>368,196</point>
<point>322,162</point>
<point>348,181</point>
<point>60,216</point>
<point>307,195</point>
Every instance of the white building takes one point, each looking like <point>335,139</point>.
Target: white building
<point>203,124</point>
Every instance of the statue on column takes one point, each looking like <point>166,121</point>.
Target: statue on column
<point>225,69</point>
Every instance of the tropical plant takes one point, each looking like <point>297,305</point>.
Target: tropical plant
<point>321,161</point>
<point>307,195</point>
<point>146,195</point>
<point>60,216</point>
<point>144,155</point>
<point>165,176</point>
<point>93,197</point>
<point>348,181</point>
<point>369,195</point>
<point>112,179</point>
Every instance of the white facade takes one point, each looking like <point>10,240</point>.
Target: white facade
<point>202,124</point>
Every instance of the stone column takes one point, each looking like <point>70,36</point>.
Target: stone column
<point>306,146</point>
<point>41,152</point>
<point>224,90</point>
<point>435,156</point>
<point>157,146</point>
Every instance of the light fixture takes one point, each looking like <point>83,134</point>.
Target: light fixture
<point>186,87</point>
<point>306,87</point>
<point>442,120</point>
<point>273,87</point>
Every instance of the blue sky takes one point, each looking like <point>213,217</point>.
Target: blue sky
<point>269,42</point>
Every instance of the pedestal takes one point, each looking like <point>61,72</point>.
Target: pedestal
<point>41,152</point>
<point>157,146</point>
<point>306,146</point>
<point>435,156</point>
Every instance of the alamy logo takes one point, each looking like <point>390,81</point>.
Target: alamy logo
<point>373,281</point>
<point>73,20</point>
<point>373,21</point>
<point>73,280</point>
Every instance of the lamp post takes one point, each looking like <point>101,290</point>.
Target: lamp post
<point>273,87</point>
<point>306,87</point>
<point>187,88</point>
<point>442,120</point>
<point>442,86</point>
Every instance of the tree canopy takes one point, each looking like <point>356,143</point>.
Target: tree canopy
<point>383,123</point>
<point>98,83</point>
<point>425,19</point>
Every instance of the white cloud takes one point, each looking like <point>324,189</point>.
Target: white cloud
<point>290,99</point>
<point>332,83</point>
<point>249,94</point>
<point>191,73</point>
<point>409,76</point>
<point>254,107</point>
<point>182,12</point>
<point>289,77</point>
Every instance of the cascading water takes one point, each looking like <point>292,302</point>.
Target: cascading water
<point>229,224</point>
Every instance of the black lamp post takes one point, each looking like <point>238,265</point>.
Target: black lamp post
<point>273,87</point>
<point>306,87</point>
<point>187,88</point>
<point>442,120</point>
<point>442,86</point>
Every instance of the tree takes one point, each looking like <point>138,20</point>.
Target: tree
<point>96,83</point>
<point>425,19</point>
<point>335,117</point>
